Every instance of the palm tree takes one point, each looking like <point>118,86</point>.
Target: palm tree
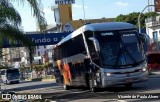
<point>10,22</point>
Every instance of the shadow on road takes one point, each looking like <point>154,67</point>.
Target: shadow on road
<point>105,93</point>
<point>30,87</point>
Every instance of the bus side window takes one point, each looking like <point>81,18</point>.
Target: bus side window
<point>91,46</point>
<point>79,44</point>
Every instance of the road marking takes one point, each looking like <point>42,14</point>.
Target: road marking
<point>79,91</point>
<point>121,101</point>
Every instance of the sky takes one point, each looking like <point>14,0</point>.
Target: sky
<point>94,9</point>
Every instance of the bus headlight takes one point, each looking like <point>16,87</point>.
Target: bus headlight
<point>108,74</point>
<point>144,69</point>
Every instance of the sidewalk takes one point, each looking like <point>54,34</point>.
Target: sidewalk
<point>154,74</point>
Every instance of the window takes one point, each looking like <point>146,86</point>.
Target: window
<point>72,47</point>
<point>78,43</point>
<point>155,36</point>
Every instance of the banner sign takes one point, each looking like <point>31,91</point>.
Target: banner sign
<point>40,39</point>
<point>64,1</point>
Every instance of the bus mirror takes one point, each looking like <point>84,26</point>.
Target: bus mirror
<point>145,38</point>
<point>96,43</point>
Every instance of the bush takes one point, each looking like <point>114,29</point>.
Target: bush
<point>36,79</point>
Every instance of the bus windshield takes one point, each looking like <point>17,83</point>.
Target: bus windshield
<point>119,48</point>
<point>13,73</point>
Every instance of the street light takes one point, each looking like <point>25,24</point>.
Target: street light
<point>139,24</point>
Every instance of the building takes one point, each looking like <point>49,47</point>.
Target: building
<point>153,30</point>
<point>10,56</point>
<point>43,54</point>
<point>64,21</point>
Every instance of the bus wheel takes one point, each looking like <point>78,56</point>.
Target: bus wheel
<point>66,87</point>
<point>91,86</point>
<point>128,85</point>
<point>7,82</point>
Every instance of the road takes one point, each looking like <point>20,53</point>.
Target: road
<point>115,94</point>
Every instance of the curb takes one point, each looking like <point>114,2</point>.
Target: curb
<point>40,80</point>
<point>48,79</point>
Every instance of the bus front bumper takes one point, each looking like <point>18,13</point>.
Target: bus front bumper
<point>111,81</point>
<point>14,81</point>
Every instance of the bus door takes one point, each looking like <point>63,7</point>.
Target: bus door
<point>91,47</point>
<point>93,53</point>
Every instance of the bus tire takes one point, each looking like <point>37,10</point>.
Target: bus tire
<point>128,85</point>
<point>7,82</point>
<point>91,86</point>
<point>87,81</point>
<point>17,82</point>
<point>65,87</point>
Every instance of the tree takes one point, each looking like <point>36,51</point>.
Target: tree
<point>133,18</point>
<point>10,22</point>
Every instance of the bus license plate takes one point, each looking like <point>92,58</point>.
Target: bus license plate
<point>129,80</point>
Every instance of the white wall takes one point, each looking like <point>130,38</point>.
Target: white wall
<point>153,29</point>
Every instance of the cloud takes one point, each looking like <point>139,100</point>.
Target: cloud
<point>79,6</point>
<point>47,10</point>
<point>120,3</point>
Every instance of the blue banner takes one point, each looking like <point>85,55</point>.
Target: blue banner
<point>40,39</point>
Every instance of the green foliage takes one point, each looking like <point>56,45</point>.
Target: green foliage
<point>36,7</point>
<point>24,69</point>
<point>4,67</point>
<point>38,67</point>
<point>133,18</point>
<point>10,23</point>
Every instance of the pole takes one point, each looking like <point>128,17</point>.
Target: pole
<point>148,4</point>
<point>139,24</point>
<point>84,12</point>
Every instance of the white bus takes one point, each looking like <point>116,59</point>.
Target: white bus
<point>11,75</point>
<point>101,55</point>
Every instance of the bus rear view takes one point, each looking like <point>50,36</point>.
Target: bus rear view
<point>102,55</point>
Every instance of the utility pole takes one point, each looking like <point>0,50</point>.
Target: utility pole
<point>84,12</point>
<point>148,7</point>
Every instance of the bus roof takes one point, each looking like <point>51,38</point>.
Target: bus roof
<point>106,26</point>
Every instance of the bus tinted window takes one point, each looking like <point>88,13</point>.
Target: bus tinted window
<point>119,48</point>
<point>70,48</point>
